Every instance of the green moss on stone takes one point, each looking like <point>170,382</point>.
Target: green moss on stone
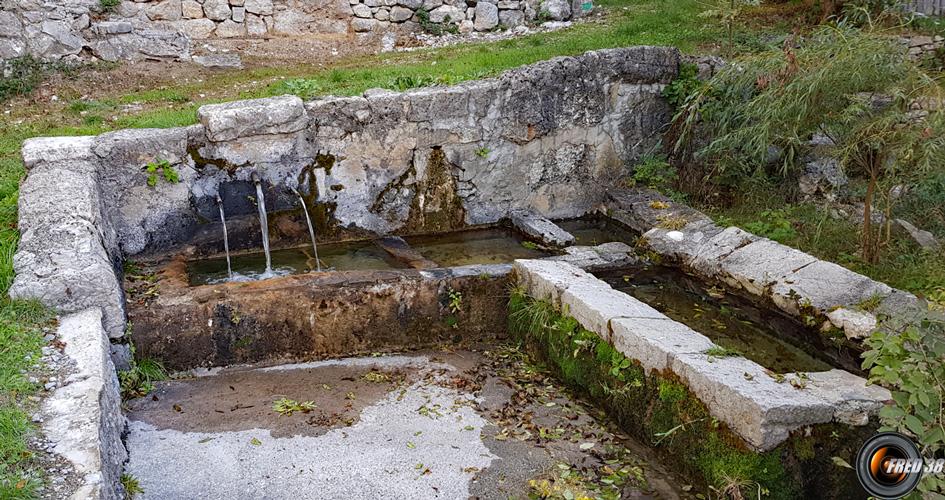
<point>659,410</point>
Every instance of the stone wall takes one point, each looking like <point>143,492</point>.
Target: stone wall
<point>551,137</point>
<point>165,29</point>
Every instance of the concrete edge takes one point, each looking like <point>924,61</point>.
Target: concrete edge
<point>83,417</point>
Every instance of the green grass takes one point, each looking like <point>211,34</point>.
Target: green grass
<point>902,264</point>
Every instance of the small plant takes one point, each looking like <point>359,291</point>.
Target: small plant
<point>483,152</point>
<point>302,87</point>
<point>671,222</point>
<point>530,245</point>
<point>718,352</point>
<point>166,170</point>
<point>683,86</point>
<point>287,407</point>
<point>131,485</point>
<point>109,5</point>
<point>139,380</point>
<point>19,76</point>
<point>659,205</point>
<point>774,224</point>
<point>438,29</point>
<point>376,377</point>
<point>455,301</point>
<point>406,82</point>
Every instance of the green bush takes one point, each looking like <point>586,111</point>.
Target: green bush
<point>21,76</point>
<point>910,360</point>
<point>686,84</point>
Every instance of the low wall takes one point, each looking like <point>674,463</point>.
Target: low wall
<point>551,137</point>
<point>82,419</point>
<point>164,29</point>
<point>799,284</point>
<point>742,394</point>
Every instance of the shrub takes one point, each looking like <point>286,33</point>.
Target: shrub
<point>855,88</point>
<point>20,76</point>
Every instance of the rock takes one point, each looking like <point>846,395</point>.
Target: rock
<point>121,356</point>
<point>410,4</point>
<point>271,115</point>
<point>166,10</point>
<point>823,176</point>
<point>224,61</point>
<point>198,29</point>
<point>61,215</point>
<point>289,22</point>
<point>237,3</point>
<point>105,28</point>
<point>230,29</point>
<point>487,16</point>
<point>362,11</point>
<point>60,40</point>
<point>400,14</point>
<point>191,9</point>
<point>655,342</point>
<point>508,5</point>
<point>537,226</point>
<point>388,42</point>
<point>255,26</point>
<point>239,14</point>
<point>511,18</point>
<point>10,25</point>
<point>855,324</point>
<point>924,238</point>
<point>361,25</point>
<point>382,14</point>
<point>556,10</point>
<point>258,7</point>
<point>217,10</point>
<point>581,8</point>
<point>447,14</point>
<point>467,26</point>
<point>429,5</point>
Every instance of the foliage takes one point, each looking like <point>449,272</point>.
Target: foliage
<point>774,224</point>
<point>716,352</point>
<point>455,301</point>
<point>684,85</point>
<point>109,5</point>
<point>20,76</point>
<point>483,152</point>
<point>728,11</point>
<point>303,87</point>
<point>168,173</point>
<point>855,88</point>
<point>910,359</point>
<point>286,407</point>
<point>131,485</point>
<point>653,172</point>
<point>138,380</point>
<point>423,16</point>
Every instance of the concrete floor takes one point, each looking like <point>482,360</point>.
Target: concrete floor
<point>427,425</point>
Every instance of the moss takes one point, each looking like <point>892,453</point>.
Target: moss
<point>325,161</point>
<point>658,409</point>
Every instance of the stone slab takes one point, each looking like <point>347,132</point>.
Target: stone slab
<point>548,279</point>
<point>270,115</point>
<point>83,417</point>
<point>537,226</point>
<point>596,304</point>
<point>761,264</point>
<point>656,342</point>
<point>740,393</point>
<point>825,286</point>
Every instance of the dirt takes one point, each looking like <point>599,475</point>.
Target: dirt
<point>539,437</point>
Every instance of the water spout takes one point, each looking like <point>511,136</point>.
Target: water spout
<point>226,241</point>
<point>263,221</point>
<point>311,228</point>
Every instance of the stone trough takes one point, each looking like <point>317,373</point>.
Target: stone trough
<point>109,224</point>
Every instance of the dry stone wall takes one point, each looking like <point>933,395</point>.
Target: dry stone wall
<point>165,29</point>
<point>550,137</point>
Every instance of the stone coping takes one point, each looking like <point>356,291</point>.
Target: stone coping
<point>759,407</point>
<point>83,418</point>
<point>797,283</point>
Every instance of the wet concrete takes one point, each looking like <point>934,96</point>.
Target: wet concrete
<point>480,423</point>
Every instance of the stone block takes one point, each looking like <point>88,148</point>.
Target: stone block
<point>49,150</point>
<point>487,16</point>
<point>595,304</point>
<point>537,226</point>
<point>761,264</point>
<point>400,14</point>
<point>191,9</point>
<point>656,342</point>
<point>217,10</point>
<point>83,418</point>
<point>271,115</point>
<point>547,280</point>
<point>825,286</point>
<point>258,7</point>
<point>754,405</point>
